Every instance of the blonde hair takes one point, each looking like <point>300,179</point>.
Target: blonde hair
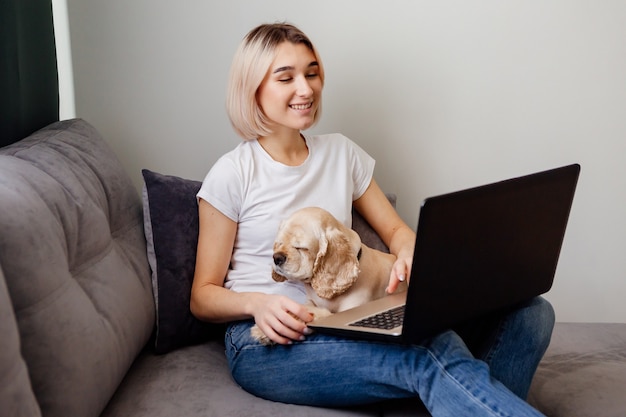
<point>253,58</point>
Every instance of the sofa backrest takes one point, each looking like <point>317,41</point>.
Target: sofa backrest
<point>73,255</point>
<point>16,394</point>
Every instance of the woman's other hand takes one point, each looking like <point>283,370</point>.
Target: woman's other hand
<point>280,318</point>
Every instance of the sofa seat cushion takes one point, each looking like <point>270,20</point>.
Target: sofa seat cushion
<point>583,373</point>
<point>195,381</point>
<point>72,251</point>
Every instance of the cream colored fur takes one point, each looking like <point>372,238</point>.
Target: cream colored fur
<point>338,270</point>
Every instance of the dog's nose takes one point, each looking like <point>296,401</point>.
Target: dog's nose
<point>279,258</point>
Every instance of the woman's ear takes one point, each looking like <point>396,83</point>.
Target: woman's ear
<point>337,268</point>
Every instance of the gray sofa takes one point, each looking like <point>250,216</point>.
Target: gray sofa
<point>94,287</point>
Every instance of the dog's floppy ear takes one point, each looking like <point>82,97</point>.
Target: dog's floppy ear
<point>322,242</point>
<point>336,268</point>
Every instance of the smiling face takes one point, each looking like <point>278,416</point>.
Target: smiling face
<point>291,91</point>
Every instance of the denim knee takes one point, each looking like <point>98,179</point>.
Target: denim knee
<point>539,317</point>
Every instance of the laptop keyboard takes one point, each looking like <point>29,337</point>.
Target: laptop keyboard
<point>385,320</point>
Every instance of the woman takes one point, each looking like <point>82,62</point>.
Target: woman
<point>274,93</point>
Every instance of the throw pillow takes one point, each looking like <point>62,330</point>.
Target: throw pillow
<point>171,228</point>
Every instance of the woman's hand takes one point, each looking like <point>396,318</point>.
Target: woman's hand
<point>280,318</point>
<point>400,272</point>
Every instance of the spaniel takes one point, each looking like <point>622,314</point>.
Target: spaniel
<point>338,270</point>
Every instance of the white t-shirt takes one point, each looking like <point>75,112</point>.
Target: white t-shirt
<point>257,192</point>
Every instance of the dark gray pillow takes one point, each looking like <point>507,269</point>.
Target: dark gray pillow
<point>366,233</point>
<point>171,228</point>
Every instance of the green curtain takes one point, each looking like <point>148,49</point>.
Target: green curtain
<point>29,92</point>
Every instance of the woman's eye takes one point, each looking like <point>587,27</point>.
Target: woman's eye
<point>289,79</point>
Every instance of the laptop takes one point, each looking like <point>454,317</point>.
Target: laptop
<point>477,251</point>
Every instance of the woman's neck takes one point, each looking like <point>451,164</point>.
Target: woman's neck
<point>288,149</point>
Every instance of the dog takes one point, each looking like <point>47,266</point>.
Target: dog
<point>338,270</point>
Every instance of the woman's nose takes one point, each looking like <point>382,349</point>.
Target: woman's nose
<point>303,88</point>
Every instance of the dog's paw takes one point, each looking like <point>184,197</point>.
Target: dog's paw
<point>318,312</point>
<point>258,335</point>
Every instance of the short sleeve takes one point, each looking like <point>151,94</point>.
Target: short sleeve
<point>222,188</point>
<point>362,169</point>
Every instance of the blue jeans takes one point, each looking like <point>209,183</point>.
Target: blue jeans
<point>487,376</point>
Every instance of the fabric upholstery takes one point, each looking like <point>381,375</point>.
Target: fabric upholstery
<point>365,231</point>
<point>171,228</point>
<point>73,254</point>
<point>195,380</point>
<point>16,394</point>
<point>154,385</point>
<point>583,372</point>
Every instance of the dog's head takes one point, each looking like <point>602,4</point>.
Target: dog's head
<point>313,247</point>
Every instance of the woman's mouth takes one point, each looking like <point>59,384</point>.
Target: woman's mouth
<point>301,106</point>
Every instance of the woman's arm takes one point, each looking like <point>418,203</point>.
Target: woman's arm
<point>210,301</point>
<point>376,209</point>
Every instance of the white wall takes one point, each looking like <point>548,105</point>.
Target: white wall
<point>67,108</point>
<point>444,94</point>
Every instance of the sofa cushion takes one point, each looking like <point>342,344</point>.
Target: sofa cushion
<point>176,384</point>
<point>583,372</point>
<point>16,394</point>
<point>73,254</point>
<point>366,233</point>
<point>171,228</point>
